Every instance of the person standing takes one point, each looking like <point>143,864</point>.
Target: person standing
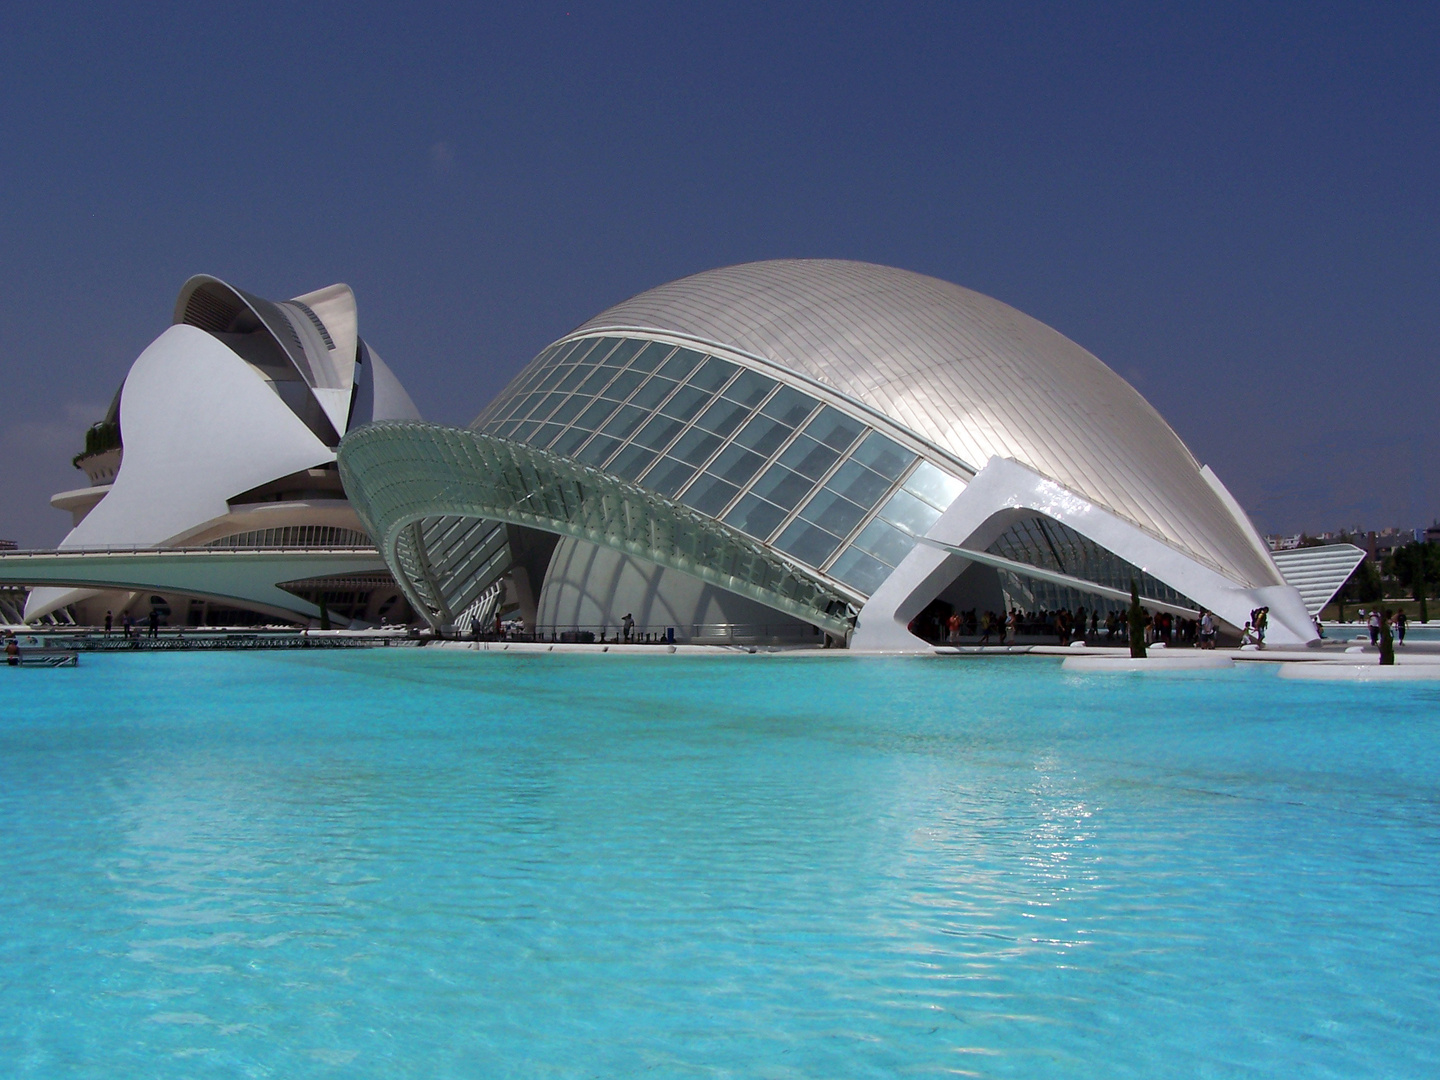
<point>627,624</point>
<point>1401,621</point>
<point>108,620</point>
<point>154,622</point>
<point>1207,630</point>
<point>1373,623</point>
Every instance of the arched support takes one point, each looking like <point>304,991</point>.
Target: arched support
<point>1005,491</point>
<point>401,473</point>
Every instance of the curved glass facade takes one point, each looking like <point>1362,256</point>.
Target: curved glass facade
<point>765,457</point>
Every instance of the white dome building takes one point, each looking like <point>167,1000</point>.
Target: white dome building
<point>766,451</point>
<point>222,438</point>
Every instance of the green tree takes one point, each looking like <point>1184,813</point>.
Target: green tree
<point>1137,623</point>
<point>1417,566</point>
<point>1361,587</point>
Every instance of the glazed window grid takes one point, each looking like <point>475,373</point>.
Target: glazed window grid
<point>776,463</point>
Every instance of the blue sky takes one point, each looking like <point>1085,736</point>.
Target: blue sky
<point>1235,206</point>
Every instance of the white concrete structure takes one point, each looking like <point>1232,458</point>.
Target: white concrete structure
<point>842,443</point>
<point>228,424</point>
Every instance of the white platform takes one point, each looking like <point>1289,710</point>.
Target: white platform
<point>1169,662</point>
<point>1371,672</point>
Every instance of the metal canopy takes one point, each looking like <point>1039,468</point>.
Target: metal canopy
<point>251,577</point>
<point>409,480</point>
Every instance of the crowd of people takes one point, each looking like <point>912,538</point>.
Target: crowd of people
<point>1064,626</point>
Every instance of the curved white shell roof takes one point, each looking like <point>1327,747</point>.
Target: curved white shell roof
<point>967,373</point>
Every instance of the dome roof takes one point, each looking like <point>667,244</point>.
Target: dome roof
<point>970,375</point>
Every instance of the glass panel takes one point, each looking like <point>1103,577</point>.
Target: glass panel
<point>547,405</point>
<point>595,415</point>
<point>658,432</point>
<point>592,350</point>
<point>858,484</point>
<point>681,364</point>
<point>807,543</point>
<point>625,421</point>
<point>649,357</point>
<point>763,435</point>
<point>566,444</point>
<point>737,465</point>
<point>573,378</point>
<point>598,450</point>
<point>553,376</point>
<point>755,516</point>
<point>783,487</point>
<point>545,435</point>
<point>909,513</point>
<point>669,476</point>
<point>790,406</point>
<point>623,352</point>
<point>686,403</point>
<point>859,571</point>
<point>885,542</point>
<point>596,380</point>
<point>886,457</point>
<point>504,429</point>
<point>935,487</point>
<point>633,460</point>
<point>834,428</point>
<point>709,494</point>
<point>696,446</point>
<point>809,457</point>
<point>623,385</point>
<point>565,352</point>
<point>749,389</point>
<point>524,431</point>
<point>526,405</point>
<point>713,374</point>
<point>569,410</point>
<point>723,417</point>
<point>832,513</point>
<point>653,392</point>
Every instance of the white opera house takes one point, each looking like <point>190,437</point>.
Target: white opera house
<point>213,493</point>
<point>780,450</point>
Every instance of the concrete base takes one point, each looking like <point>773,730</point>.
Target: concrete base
<point>1197,661</point>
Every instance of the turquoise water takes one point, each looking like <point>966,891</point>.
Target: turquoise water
<point>406,863</point>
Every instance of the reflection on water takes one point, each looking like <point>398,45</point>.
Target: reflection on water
<point>447,865</point>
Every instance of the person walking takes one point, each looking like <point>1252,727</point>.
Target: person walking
<point>1401,621</point>
<point>154,622</point>
<point>1373,623</point>
<point>108,620</point>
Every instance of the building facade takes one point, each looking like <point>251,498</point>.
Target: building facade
<point>216,460</point>
<point>781,450</point>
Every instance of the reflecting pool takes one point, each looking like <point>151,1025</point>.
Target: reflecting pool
<point>411,863</point>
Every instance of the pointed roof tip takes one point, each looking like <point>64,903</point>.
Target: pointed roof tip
<point>330,293</point>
